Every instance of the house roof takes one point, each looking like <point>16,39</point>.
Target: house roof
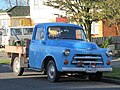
<point>18,11</point>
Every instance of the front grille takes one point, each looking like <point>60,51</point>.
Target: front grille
<point>87,59</point>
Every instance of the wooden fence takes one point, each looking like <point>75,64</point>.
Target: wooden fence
<point>115,40</point>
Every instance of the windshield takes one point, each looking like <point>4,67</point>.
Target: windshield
<point>62,32</point>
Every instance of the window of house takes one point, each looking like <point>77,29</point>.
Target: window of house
<point>39,34</point>
<point>94,28</point>
<point>22,22</point>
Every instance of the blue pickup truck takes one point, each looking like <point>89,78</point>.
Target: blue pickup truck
<point>60,49</point>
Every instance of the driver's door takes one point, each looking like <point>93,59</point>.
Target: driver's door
<point>37,48</point>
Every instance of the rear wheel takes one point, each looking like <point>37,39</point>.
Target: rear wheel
<point>52,73</point>
<point>18,71</point>
<point>95,76</point>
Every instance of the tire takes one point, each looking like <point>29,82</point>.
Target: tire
<point>17,70</point>
<point>95,76</point>
<point>52,73</point>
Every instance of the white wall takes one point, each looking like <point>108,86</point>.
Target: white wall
<point>40,13</point>
<point>4,20</point>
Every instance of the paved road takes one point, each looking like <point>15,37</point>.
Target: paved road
<point>36,81</point>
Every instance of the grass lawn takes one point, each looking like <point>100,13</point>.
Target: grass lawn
<point>114,74</point>
<point>7,61</point>
<point>115,57</point>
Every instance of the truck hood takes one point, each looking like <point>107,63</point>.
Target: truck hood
<point>73,44</point>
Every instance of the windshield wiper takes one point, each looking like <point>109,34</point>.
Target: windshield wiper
<point>80,39</point>
<point>71,38</point>
<point>64,38</point>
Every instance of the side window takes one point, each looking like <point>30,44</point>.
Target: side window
<point>39,34</point>
<point>78,34</point>
<point>27,31</point>
<point>16,31</point>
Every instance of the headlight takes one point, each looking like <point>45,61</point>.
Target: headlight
<point>109,53</point>
<point>66,52</point>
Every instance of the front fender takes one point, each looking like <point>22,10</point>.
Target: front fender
<point>57,54</point>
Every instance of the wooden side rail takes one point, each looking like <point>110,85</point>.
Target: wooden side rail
<point>16,49</point>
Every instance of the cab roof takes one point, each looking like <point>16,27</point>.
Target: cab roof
<point>57,24</point>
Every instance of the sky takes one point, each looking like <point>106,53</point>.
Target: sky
<point>3,5</point>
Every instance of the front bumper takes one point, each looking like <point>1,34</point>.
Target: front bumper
<point>87,70</point>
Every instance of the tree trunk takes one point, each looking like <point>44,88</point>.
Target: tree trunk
<point>88,29</point>
<point>16,1</point>
<point>117,28</point>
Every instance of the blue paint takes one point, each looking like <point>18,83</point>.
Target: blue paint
<point>40,49</point>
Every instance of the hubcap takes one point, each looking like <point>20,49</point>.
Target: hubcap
<point>16,66</point>
<point>51,71</point>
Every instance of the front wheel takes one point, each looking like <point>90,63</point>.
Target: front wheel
<point>18,71</point>
<point>52,73</point>
<point>95,76</point>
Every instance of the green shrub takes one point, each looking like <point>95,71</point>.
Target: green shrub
<point>107,42</point>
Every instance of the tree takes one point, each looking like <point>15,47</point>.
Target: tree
<point>111,12</point>
<point>83,12</point>
<point>17,2</point>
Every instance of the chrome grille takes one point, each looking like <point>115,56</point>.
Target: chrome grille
<point>87,59</point>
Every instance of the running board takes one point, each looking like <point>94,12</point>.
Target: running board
<point>35,69</point>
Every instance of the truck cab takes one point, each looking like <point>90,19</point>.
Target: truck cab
<point>61,48</point>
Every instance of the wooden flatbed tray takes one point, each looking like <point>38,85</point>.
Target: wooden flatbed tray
<point>15,49</point>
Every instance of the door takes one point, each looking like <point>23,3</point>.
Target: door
<point>37,49</point>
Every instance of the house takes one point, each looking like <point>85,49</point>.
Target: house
<point>103,29</point>
<point>16,16</point>
<point>41,13</point>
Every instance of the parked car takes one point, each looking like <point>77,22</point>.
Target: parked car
<point>12,34</point>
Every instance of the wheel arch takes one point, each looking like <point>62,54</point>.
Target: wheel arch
<point>46,60</point>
